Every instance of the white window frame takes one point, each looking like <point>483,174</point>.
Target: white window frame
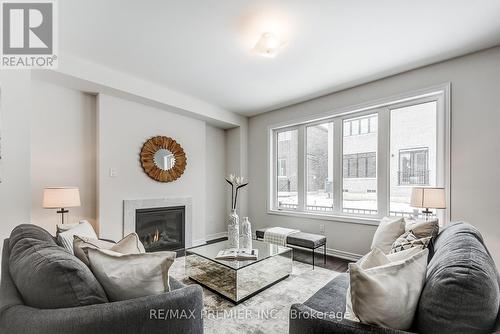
<point>383,107</point>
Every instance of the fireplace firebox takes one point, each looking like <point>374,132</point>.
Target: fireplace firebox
<point>161,229</point>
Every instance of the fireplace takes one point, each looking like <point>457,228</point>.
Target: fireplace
<point>162,228</point>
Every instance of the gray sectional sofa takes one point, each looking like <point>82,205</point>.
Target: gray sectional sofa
<point>461,293</point>
<point>45,289</point>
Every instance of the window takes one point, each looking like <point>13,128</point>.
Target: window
<point>414,157</point>
<point>287,172</point>
<point>361,163</point>
<point>360,126</point>
<point>319,149</point>
<point>360,169</point>
<point>413,167</point>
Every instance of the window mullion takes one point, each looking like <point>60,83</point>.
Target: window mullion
<point>301,168</point>
<point>383,162</point>
<point>337,166</point>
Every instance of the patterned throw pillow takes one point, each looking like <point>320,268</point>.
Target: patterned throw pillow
<point>409,240</point>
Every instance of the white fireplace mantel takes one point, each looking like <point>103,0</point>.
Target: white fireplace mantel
<point>131,205</point>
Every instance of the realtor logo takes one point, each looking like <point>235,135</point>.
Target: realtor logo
<point>28,34</point>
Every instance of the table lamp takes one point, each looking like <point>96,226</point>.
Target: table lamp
<point>61,198</point>
<point>428,198</point>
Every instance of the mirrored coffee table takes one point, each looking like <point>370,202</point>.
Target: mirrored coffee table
<point>238,280</point>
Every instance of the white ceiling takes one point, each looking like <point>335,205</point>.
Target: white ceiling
<point>203,48</point>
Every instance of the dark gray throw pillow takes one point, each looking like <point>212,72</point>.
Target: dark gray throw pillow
<point>461,293</point>
<point>48,277</point>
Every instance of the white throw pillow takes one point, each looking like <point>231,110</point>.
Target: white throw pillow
<point>128,276</point>
<point>128,245</point>
<point>423,228</point>
<point>82,244</point>
<point>374,258</point>
<point>388,295</point>
<point>389,229</point>
<point>65,227</point>
<point>84,229</point>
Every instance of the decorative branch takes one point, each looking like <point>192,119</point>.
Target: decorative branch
<point>236,196</point>
<point>236,184</point>
<point>232,192</point>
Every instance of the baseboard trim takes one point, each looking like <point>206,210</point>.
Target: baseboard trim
<point>216,236</point>
<point>198,242</point>
<point>208,238</point>
<point>343,254</point>
<point>335,253</point>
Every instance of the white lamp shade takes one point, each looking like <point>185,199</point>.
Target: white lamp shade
<point>61,197</point>
<point>434,198</point>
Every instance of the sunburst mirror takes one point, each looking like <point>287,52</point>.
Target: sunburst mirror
<point>163,159</point>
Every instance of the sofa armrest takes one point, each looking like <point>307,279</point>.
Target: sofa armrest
<point>305,320</point>
<point>178,311</point>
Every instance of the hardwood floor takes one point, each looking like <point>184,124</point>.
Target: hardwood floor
<point>332,263</point>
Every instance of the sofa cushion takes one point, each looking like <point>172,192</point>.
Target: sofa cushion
<point>300,239</point>
<point>331,297</point>
<point>31,231</point>
<point>47,276</point>
<point>307,240</point>
<point>461,294</point>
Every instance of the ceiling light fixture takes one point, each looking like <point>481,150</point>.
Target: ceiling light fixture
<point>268,45</point>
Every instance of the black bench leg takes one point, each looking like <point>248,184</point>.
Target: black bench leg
<point>324,255</point>
<point>313,258</point>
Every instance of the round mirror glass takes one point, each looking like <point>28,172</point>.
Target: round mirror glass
<point>164,159</point>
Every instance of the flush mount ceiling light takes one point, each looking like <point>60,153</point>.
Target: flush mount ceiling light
<point>268,45</point>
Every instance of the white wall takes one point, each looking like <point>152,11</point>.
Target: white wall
<point>215,207</point>
<point>475,142</point>
<point>123,128</point>
<point>236,163</point>
<point>15,190</point>
<point>63,150</point>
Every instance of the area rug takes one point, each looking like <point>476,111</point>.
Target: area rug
<point>266,312</point>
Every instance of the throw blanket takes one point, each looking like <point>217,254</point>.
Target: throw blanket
<point>277,235</point>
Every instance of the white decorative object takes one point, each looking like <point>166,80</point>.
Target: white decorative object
<point>233,226</point>
<point>246,233</point>
<point>233,230</point>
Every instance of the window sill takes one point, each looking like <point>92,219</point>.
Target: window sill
<point>373,221</point>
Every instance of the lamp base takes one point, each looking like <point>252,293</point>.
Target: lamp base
<point>62,212</point>
<point>427,213</point>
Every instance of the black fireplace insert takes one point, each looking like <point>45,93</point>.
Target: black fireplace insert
<point>161,229</point>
